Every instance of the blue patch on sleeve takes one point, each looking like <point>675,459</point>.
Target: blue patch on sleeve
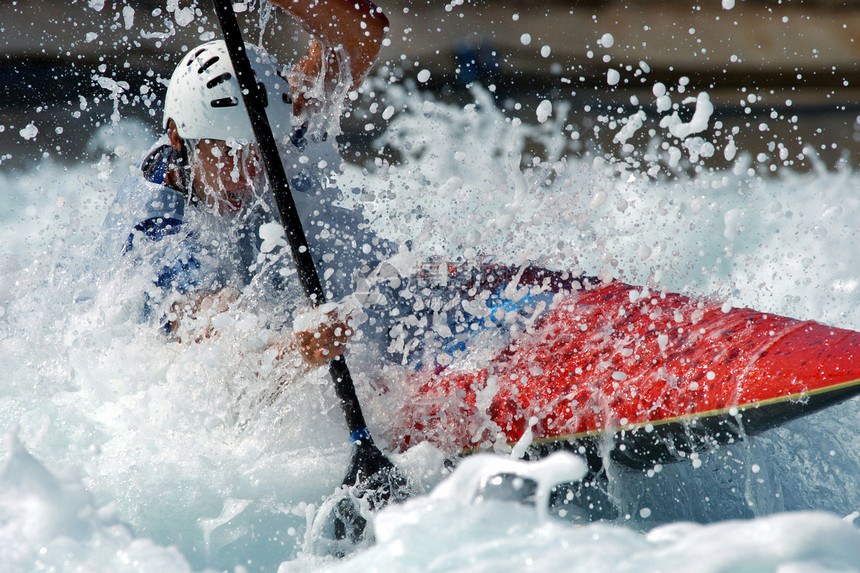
<point>181,275</point>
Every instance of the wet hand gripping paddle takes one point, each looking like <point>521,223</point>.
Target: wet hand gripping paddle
<point>371,475</point>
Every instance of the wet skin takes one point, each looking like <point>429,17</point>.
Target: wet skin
<point>225,174</point>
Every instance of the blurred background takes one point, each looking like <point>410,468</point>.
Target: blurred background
<point>777,71</point>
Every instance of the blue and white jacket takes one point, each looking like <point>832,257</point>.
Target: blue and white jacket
<point>187,249</point>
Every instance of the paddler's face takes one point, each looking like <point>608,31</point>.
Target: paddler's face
<point>226,175</point>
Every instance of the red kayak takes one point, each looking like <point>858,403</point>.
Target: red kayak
<point>648,377</point>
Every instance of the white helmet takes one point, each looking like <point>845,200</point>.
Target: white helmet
<point>204,99</point>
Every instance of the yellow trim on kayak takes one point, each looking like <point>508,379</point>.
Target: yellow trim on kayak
<point>690,417</point>
<point>797,396</point>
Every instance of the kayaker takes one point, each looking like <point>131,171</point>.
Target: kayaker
<point>197,213</point>
<point>198,216</point>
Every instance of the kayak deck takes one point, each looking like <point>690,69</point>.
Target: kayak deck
<point>661,373</point>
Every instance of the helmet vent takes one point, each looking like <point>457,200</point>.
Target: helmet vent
<point>218,80</point>
<point>194,57</point>
<point>209,63</point>
<point>224,102</point>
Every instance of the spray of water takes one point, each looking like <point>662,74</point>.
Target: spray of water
<point>135,453</point>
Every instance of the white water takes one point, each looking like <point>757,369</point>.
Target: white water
<point>131,457</point>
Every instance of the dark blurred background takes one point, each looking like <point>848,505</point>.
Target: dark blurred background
<point>779,71</point>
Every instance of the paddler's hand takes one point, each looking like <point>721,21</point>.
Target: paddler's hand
<point>322,337</point>
<point>202,305</point>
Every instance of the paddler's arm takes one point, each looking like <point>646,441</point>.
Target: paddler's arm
<point>356,26</point>
<point>317,343</point>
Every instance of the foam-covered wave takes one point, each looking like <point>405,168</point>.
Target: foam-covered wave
<point>205,447</point>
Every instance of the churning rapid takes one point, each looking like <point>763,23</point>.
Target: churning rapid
<point>125,452</point>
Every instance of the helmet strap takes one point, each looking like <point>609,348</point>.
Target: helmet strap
<point>181,160</point>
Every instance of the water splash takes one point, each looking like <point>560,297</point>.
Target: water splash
<point>195,445</point>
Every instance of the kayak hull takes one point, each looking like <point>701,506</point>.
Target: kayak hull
<point>645,377</point>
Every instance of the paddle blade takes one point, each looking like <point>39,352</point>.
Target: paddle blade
<point>373,482</point>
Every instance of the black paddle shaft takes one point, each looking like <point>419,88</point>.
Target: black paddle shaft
<point>308,276</point>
